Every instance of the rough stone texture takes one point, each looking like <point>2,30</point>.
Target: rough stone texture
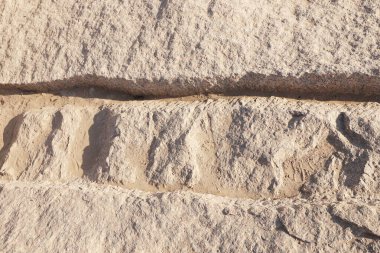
<point>91,169</point>
<point>88,218</point>
<point>172,48</point>
<point>199,174</point>
<point>256,147</point>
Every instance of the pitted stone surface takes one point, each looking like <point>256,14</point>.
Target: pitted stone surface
<point>172,48</point>
<point>230,165</point>
<point>239,147</point>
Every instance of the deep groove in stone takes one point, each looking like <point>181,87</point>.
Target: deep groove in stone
<point>355,87</point>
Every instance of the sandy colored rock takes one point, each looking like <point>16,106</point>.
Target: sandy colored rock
<point>91,218</point>
<point>173,48</point>
<point>208,126</point>
<point>194,174</point>
<point>241,147</point>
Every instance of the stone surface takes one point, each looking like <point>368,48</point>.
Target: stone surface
<point>245,160</point>
<point>79,217</point>
<point>210,174</point>
<point>173,48</point>
<point>253,147</point>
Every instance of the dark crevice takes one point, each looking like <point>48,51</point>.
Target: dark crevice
<point>210,9</point>
<point>355,87</point>
<point>56,125</point>
<point>334,140</point>
<point>354,161</point>
<point>343,126</point>
<point>161,10</point>
<point>354,169</point>
<point>9,136</point>
<point>101,134</point>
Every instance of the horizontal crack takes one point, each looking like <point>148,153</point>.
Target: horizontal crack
<point>354,87</point>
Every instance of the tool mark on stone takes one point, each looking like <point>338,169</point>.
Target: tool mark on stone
<point>356,230</point>
<point>210,9</point>
<point>56,125</point>
<point>85,52</point>
<point>297,116</point>
<point>354,169</point>
<point>9,136</point>
<point>95,165</point>
<point>343,125</point>
<point>280,226</point>
<point>161,9</point>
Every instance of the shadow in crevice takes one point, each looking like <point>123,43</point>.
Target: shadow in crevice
<point>354,170</point>
<point>296,119</point>
<point>9,137</point>
<point>343,126</point>
<point>341,87</point>
<point>95,165</point>
<point>56,125</point>
<point>356,154</point>
<point>280,226</point>
<point>356,230</point>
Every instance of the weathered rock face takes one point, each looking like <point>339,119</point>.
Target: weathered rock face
<point>89,218</point>
<point>247,163</point>
<point>211,174</point>
<point>173,48</point>
<point>262,147</point>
